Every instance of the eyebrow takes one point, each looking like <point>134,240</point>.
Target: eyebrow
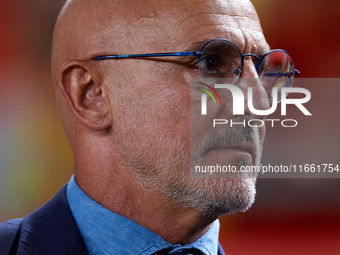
<point>263,51</point>
<point>198,45</point>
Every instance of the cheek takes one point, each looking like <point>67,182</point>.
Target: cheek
<point>155,111</point>
<point>152,112</point>
<point>152,129</point>
<point>169,113</point>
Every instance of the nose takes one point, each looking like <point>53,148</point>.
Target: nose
<point>259,99</point>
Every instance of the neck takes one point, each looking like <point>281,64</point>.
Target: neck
<point>121,192</point>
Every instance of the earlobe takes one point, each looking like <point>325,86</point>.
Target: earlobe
<point>83,88</point>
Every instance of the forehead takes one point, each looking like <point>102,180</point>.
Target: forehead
<point>182,25</point>
<point>149,26</point>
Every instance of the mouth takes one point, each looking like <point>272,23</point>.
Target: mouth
<point>245,148</point>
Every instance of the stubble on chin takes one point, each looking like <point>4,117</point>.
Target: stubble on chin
<point>168,174</point>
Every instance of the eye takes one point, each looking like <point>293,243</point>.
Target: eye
<point>209,63</point>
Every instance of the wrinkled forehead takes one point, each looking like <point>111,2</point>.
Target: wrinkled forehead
<point>236,21</point>
<point>187,27</point>
<point>178,25</point>
<point>86,28</point>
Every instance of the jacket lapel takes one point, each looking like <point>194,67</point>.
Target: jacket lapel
<point>220,250</point>
<point>51,230</point>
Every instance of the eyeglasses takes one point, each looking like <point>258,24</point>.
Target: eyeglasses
<point>221,58</point>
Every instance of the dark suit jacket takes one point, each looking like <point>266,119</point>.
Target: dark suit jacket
<point>50,230</point>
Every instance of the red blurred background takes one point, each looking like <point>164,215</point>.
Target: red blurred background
<point>290,216</point>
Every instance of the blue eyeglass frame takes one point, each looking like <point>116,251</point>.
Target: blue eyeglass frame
<point>200,53</point>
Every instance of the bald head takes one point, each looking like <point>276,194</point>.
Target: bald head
<point>83,28</point>
<point>86,28</point>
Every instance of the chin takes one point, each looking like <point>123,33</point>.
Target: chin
<point>214,197</point>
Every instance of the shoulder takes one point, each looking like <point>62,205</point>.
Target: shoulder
<point>220,249</point>
<point>51,229</point>
<point>9,224</point>
<point>8,230</point>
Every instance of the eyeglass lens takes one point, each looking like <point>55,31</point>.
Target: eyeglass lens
<point>276,71</point>
<point>222,59</point>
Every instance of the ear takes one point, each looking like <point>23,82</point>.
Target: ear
<point>82,86</point>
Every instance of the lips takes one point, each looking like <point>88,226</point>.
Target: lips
<point>239,146</point>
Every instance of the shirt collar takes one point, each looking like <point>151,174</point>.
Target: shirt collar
<point>106,232</point>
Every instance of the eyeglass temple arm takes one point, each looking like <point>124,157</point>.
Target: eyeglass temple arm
<point>280,74</point>
<point>185,53</point>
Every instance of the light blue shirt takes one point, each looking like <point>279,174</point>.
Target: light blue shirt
<point>106,232</point>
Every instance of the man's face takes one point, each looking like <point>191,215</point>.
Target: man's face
<point>151,103</point>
